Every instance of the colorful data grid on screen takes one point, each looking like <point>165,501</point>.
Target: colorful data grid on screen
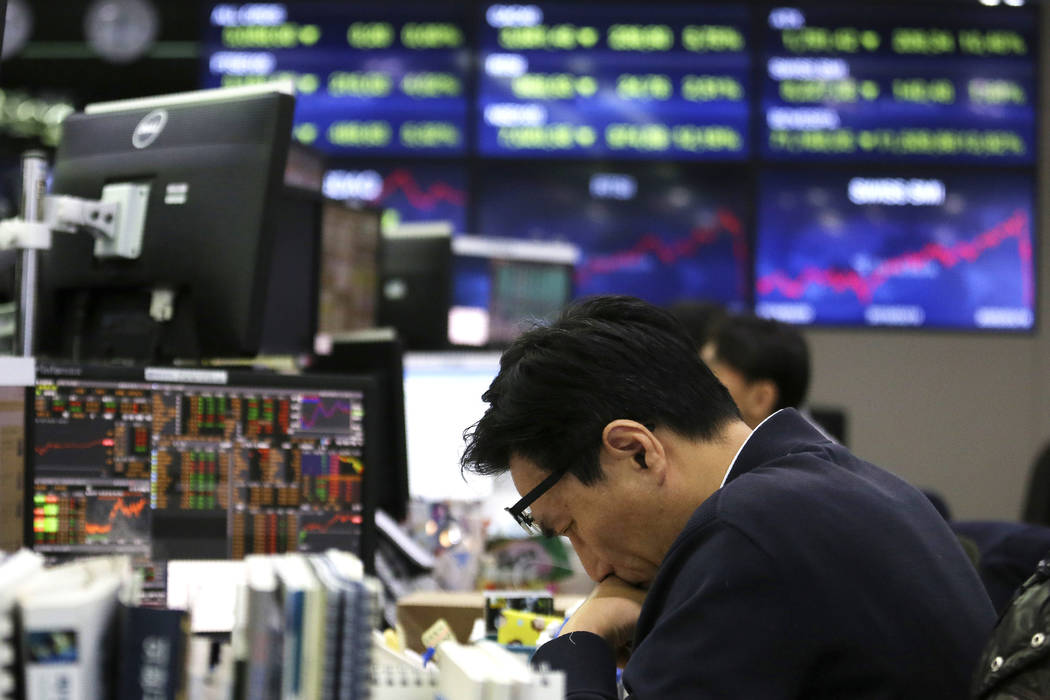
<point>951,251</point>
<point>370,79</point>
<point>661,232</point>
<point>893,83</point>
<point>120,464</point>
<point>407,192</point>
<point>614,80</point>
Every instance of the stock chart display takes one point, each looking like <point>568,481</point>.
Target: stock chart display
<point>407,192</point>
<point>121,465</point>
<point>90,454</point>
<point>956,84</point>
<point>953,251</point>
<point>645,134</point>
<point>661,232</point>
<point>369,79</point>
<point>629,81</point>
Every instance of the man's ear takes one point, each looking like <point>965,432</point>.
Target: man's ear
<point>757,400</point>
<point>624,436</point>
<point>763,396</point>
<point>628,439</point>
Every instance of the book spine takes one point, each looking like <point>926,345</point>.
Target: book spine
<point>356,644</point>
<point>291,681</point>
<point>152,653</point>
<point>265,642</point>
<point>334,619</point>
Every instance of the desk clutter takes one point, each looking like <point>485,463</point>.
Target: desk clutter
<point>304,626</point>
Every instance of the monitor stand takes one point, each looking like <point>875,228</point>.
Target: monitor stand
<point>127,324</point>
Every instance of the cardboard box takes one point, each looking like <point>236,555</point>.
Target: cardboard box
<point>418,611</point>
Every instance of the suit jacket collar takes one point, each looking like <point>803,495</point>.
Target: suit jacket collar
<point>783,432</point>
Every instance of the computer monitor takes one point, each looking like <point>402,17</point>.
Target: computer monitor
<point>351,244</point>
<point>171,463</point>
<point>665,232</point>
<point>375,353</point>
<point>442,399</point>
<point>944,249</point>
<point>408,192</point>
<point>214,163</point>
<point>416,283</point>
<point>502,286</point>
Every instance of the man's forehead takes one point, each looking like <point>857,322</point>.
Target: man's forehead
<point>524,473</point>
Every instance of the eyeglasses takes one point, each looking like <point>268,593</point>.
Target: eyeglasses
<point>521,512</point>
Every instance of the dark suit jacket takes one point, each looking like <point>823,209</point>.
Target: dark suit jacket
<point>810,574</point>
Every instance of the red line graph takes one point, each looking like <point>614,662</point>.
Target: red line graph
<point>670,252</point>
<point>119,508</point>
<point>321,411</point>
<point>44,449</point>
<point>403,180</point>
<point>336,519</point>
<point>864,286</point>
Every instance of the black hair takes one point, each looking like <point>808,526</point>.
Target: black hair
<point>700,318</point>
<point>762,348</point>
<point>604,358</point>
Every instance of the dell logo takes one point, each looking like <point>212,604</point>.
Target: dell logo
<point>149,128</point>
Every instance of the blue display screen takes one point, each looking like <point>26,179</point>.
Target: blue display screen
<point>951,251</point>
<point>664,232</point>
<point>607,80</point>
<point>947,84</point>
<point>385,80</point>
<point>656,138</point>
<point>408,192</point>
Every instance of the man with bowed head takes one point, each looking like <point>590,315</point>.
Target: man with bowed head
<point>729,562</point>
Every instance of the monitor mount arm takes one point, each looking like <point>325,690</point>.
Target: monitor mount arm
<point>116,222</point>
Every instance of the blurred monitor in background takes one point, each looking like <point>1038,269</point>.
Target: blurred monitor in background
<point>415,283</point>
<point>166,463</point>
<point>227,261</point>
<point>349,267</point>
<point>442,399</point>
<point>375,353</point>
<point>502,286</point>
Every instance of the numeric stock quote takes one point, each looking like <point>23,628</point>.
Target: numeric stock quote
<point>441,111</point>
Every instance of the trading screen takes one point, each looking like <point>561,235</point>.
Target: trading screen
<point>653,137</point>
<point>902,83</point>
<point>173,464</point>
<point>952,251</point>
<point>624,81</point>
<point>642,80</point>
<point>662,232</point>
<point>407,192</point>
<point>370,80</point>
